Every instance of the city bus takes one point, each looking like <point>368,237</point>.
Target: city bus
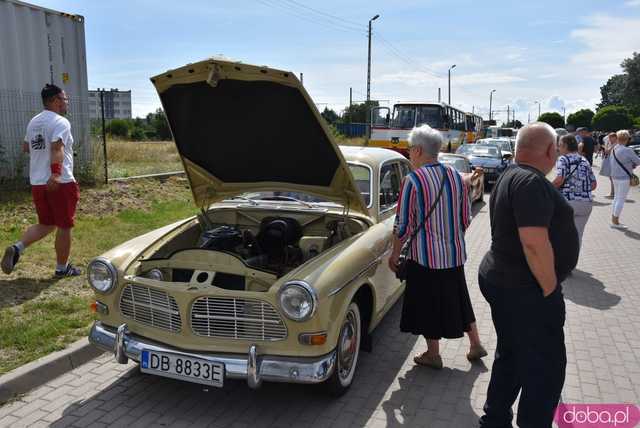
<point>390,129</point>
<point>474,127</point>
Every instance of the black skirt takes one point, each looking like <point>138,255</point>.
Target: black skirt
<point>436,303</point>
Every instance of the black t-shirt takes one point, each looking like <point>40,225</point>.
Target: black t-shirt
<point>523,197</point>
<point>588,146</point>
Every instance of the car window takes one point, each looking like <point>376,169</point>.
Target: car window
<point>389,186</point>
<point>362,177</point>
<point>485,151</point>
<point>459,164</point>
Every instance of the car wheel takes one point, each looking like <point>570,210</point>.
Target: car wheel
<point>347,352</point>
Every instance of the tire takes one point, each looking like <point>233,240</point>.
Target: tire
<point>347,352</point>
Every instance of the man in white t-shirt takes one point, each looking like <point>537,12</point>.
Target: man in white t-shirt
<point>53,187</point>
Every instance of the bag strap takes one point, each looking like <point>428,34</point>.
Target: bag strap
<point>620,163</point>
<point>445,177</point>
<point>571,172</point>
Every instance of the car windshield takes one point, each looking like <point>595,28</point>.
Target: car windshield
<point>465,148</point>
<point>485,152</point>
<point>403,117</point>
<point>501,144</point>
<point>430,115</point>
<point>457,163</point>
<point>361,175</point>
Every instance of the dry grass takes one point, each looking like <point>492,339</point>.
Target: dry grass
<point>132,158</point>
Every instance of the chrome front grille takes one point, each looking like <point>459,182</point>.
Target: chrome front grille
<point>150,307</point>
<point>231,318</point>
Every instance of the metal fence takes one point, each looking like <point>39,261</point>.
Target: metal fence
<point>16,110</point>
<point>352,130</point>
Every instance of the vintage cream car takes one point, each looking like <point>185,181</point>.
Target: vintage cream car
<point>283,274</point>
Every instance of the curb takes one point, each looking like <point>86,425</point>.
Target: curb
<point>41,371</point>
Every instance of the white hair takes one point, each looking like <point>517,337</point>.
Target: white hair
<point>529,136</point>
<point>426,137</point>
<point>623,134</point>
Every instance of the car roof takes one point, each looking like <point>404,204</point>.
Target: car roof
<point>370,155</point>
<point>452,155</point>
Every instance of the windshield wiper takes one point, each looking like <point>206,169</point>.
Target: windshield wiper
<point>286,198</point>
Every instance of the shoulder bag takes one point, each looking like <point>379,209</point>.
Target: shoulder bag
<point>401,267</point>
<point>633,179</point>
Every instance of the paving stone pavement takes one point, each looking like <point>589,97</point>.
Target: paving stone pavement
<point>602,336</point>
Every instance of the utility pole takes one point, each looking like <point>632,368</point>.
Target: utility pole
<point>473,109</point>
<point>350,102</point>
<point>369,62</point>
<point>439,96</point>
<point>490,102</point>
<point>508,108</point>
<point>529,118</point>
<point>104,137</point>
<point>450,68</point>
<point>564,115</point>
<point>538,110</point>
<point>302,79</point>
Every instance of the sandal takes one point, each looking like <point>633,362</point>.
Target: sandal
<point>425,360</point>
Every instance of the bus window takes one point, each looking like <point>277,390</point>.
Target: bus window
<point>430,115</point>
<point>404,117</point>
<point>380,117</point>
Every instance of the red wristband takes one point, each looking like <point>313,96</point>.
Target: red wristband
<point>56,168</point>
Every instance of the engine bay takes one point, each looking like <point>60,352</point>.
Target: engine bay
<point>249,253</point>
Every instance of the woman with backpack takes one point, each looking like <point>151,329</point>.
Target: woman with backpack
<point>575,180</point>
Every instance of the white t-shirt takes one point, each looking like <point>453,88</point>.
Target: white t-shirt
<point>45,128</point>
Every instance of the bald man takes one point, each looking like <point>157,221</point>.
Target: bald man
<point>534,248</point>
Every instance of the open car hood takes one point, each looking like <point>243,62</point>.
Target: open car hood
<point>241,128</point>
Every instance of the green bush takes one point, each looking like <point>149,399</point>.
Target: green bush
<point>581,118</point>
<point>118,128</point>
<point>553,119</point>
<point>612,118</point>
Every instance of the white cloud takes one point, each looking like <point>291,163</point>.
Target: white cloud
<point>608,41</point>
<point>632,3</point>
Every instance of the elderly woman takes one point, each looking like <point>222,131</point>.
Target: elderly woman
<point>623,160</point>
<point>610,142</point>
<point>575,180</point>
<point>436,301</point>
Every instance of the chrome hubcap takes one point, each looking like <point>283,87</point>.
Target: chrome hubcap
<point>348,345</point>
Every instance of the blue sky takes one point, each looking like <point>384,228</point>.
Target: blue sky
<point>555,52</point>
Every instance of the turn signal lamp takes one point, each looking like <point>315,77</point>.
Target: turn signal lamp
<point>314,339</point>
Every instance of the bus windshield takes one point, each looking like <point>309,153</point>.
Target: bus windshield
<point>404,117</point>
<point>430,115</point>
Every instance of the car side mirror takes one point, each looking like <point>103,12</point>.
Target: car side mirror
<point>507,156</point>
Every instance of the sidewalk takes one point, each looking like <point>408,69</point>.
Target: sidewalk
<point>602,337</point>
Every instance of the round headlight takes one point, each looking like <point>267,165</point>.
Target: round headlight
<point>102,275</point>
<point>297,300</point>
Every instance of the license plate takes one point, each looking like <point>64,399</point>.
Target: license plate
<point>181,367</point>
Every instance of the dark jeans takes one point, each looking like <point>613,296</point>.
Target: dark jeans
<point>530,356</point>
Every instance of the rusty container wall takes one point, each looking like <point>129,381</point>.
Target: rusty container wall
<point>39,46</point>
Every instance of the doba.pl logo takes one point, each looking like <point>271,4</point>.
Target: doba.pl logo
<point>597,415</point>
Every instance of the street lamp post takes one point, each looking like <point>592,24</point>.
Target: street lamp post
<point>538,102</point>
<point>369,61</point>
<point>450,68</point>
<point>490,102</point>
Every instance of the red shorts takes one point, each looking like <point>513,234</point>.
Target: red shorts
<point>57,207</point>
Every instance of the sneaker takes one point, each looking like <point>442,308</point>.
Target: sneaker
<point>476,353</point>
<point>618,226</point>
<point>71,270</point>
<point>426,360</point>
<point>10,259</point>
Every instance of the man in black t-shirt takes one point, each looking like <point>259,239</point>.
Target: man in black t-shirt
<point>534,247</point>
<point>587,144</point>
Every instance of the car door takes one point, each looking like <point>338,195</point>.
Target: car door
<point>389,184</point>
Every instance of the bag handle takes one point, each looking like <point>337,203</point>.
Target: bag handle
<point>445,177</point>
<point>564,179</point>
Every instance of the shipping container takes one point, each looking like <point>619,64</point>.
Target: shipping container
<point>39,46</point>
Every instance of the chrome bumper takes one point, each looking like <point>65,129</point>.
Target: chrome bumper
<point>252,366</point>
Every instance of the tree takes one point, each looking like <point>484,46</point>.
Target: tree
<point>118,128</point>
<point>581,118</point>
<point>552,118</point>
<point>329,115</point>
<point>513,124</point>
<point>359,113</point>
<point>612,118</point>
<point>631,99</point>
<point>159,124</point>
<point>612,92</point>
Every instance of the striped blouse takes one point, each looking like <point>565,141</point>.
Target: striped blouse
<point>440,244</point>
